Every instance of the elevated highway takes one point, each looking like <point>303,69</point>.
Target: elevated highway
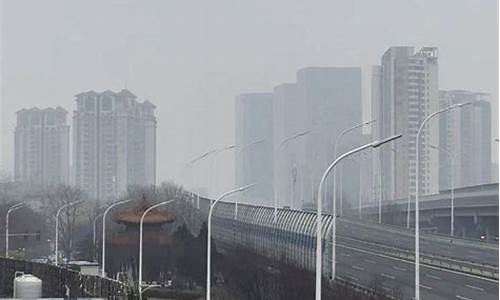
<point>367,252</point>
<point>476,211</point>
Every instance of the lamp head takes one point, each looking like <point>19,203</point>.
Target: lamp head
<point>386,140</point>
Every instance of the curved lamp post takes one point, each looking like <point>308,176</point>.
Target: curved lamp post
<point>212,163</point>
<point>140,242</point>
<point>103,258</point>
<point>417,195</point>
<point>408,202</point>
<point>192,163</point>
<point>319,214</point>
<point>209,226</point>
<point>11,209</point>
<point>95,235</point>
<point>337,140</point>
<point>239,153</point>
<point>452,191</point>
<point>57,226</point>
<point>282,145</point>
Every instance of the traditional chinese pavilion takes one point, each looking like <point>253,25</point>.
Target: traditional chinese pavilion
<point>124,248</point>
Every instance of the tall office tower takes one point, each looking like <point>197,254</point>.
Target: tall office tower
<point>42,147</point>
<point>114,139</point>
<point>288,146</point>
<point>329,102</point>
<point>466,135</point>
<point>254,142</point>
<point>408,93</point>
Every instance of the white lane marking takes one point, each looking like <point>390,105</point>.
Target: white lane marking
<point>421,265</point>
<point>357,268</point>
<point>474,287</point>
<point>398,268</point>
<point>370,261</point>
<point>385,288</point>
<point>463,298</point>
<point>425,287</point>
<point>350,277</point>
<point>387,276</point>
<point>433,276</point>
<point>425,238</point>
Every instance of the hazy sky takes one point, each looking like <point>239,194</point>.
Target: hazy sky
<point>191,58</point>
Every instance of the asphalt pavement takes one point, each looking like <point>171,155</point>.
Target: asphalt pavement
<point>480,253</point>
<point>367,268</point>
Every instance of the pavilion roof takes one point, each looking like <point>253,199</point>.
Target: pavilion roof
<point>133,215</point>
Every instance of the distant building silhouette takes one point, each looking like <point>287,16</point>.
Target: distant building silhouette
<point>286,124</point>
<point>323,102</point>
<point>254,161</point>
<point>330,100</point>
<point>114,139</point>
<point>404,92</point>
<point>466,134</point>
<point>42,147</point>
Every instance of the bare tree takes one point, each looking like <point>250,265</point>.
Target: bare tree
<point>52,200</point>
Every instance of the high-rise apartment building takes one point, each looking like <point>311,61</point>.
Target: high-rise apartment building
<point>254,146</point>
<point>405,92</point>
<point>465,134</point>
<point>114,139</point>
<point>42,147</point>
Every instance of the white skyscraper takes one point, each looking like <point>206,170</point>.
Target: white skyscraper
<point>405,92</point>
<point>42,147</point>
<point>254,159</point>
<point>114,139</point>
<point>466,134</point>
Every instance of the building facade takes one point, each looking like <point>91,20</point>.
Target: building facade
<point>465,136</point>
<point>254,146</point>
<point>114,139</point>
<point>42,147</point>
<point>406,91</point>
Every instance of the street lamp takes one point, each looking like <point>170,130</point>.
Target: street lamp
<point>282,146</point>
<point>103,255</point>
<point>94,236</point>
<point>212,162</point>
<point>360,212</point>
<point>319,214</point>
<point>239,155</point>
<point>140,241</point>
<point>344,132</point>
<point>11,209</point>
<point>192,163</point>
<point>57,226</point>
<point>408,206</point>
<point>209,226</point>
<point>452,191</point>
<point>417,195</point>
<point>363,156</point>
